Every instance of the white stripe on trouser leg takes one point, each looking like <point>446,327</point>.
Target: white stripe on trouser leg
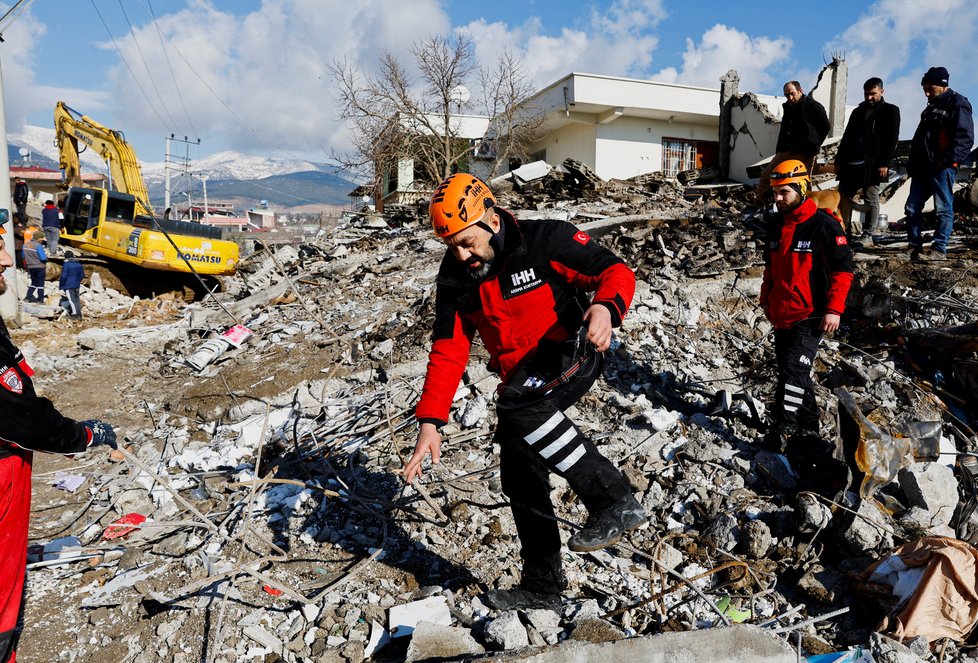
<point>547,426</point>
<point>559,443</point>
<point>793,399</point>
<point>790,408</point>
<point>797,390</point>
<point>574,456</point>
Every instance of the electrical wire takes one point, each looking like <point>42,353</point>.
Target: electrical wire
<point>126,62</point>
<point>142,57</point>
<point>16,10</point>
<point>224,103</point>
<point>169,65</point>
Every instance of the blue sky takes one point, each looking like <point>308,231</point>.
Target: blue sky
<point>252,76</point>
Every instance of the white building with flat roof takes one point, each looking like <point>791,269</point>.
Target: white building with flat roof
<point>622,127</point>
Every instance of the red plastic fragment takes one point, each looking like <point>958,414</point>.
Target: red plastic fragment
<point>271,590</point>
<point>128,524</point>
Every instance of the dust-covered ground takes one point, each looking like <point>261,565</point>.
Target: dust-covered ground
<point>278,525</point>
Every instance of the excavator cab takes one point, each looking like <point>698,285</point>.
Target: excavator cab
<point>81,210</point>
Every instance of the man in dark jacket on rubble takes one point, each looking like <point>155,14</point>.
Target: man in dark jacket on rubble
<point>804,126</point>
<point>522,287</point>
<point>28,423</point>
<point>942,142</point>
<point>864,155</point>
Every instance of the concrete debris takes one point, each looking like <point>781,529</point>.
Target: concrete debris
<point>278,526</point>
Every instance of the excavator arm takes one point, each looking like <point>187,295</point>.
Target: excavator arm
<point>71,127</point>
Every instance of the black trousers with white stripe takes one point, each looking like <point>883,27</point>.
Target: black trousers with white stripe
<point>794,400</point>
<point>536,438</point>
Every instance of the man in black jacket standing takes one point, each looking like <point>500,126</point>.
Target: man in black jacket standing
<point>943,140</point>
<point>21,193</point>
<point>864,156</point>
<point>804,126</point>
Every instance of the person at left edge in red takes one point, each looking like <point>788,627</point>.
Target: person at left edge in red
<point>28,423</point>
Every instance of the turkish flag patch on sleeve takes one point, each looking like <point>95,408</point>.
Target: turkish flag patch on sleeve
<point>582,237</point>
<point>841,240</point>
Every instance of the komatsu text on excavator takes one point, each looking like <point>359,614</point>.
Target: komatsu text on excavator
<point>120,224</point>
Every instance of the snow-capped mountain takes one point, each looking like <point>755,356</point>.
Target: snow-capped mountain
<point>225,165</point>
<point>225,171</point>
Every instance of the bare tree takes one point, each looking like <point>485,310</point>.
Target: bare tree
<point>516,122</point>
<point>392,116</point>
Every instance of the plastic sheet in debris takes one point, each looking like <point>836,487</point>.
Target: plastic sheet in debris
<point>66,546</point>
<point>69,482</point>
<point>878,454</point>
<point>213,348</point>
<point>934,579</point>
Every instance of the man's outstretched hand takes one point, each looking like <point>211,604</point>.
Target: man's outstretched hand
<point>429,442</point>
<point>102,433</point>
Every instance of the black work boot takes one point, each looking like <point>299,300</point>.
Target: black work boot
<point>540,586</point>
<point>605,528</point>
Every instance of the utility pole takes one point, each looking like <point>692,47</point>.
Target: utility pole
<point>9,307</point>
<point>167,162</point>
<point>203,179</point>
<point>166,174</point>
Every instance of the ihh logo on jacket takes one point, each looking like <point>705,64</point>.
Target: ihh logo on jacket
<point>522,281</point>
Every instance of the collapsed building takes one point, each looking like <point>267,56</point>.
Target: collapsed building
<point>255,510</point>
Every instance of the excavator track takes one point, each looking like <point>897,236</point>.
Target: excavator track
<point>137,282</point>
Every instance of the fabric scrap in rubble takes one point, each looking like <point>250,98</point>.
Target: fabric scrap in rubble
<point>944,603</point>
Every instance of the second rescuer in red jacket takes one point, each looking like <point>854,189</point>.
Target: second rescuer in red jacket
<point>522,287</point>
<point>807,274</point>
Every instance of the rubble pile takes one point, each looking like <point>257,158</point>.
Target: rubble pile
<point>255,510</point>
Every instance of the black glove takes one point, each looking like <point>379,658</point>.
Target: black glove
<point>102,433</point>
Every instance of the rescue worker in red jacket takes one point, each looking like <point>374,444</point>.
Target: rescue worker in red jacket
<point>807,274</point>
<point>27,422</point>
<point>522,287</point>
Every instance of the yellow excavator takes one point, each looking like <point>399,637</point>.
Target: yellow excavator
<point>118,222</point>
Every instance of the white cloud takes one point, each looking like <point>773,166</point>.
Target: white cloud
<point>898,40</point>
<point>723,48</point>
<point>19,90</point>
<point>616,41</point>
<point>258,81</point>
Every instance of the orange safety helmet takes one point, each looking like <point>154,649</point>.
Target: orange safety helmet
<point>458,202</point>
<point>792,171</point>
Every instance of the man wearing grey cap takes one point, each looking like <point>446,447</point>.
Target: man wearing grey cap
<point>942,141</point>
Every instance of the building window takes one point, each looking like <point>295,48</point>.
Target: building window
<point>677,155</point>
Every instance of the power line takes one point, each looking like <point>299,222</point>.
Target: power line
<point>145,64</point>
<point>126,62</point>
<point>224,103</point>
<point>166,56</point>
<point>18,7</point>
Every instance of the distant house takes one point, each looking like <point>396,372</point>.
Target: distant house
<point>405,180</point>
<point>44,183</point>
<point>622,127</point>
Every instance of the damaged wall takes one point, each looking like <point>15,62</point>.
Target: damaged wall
<point>754,133</point>
<point>755,120</point>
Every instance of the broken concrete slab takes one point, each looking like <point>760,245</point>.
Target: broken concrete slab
<point>751,644</point>
<point>933,488</point>
<point>435,642</point>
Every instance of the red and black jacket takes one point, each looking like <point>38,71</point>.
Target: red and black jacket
<point>535,291</point>
<point>27,421</point>
<point>808,266</point>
